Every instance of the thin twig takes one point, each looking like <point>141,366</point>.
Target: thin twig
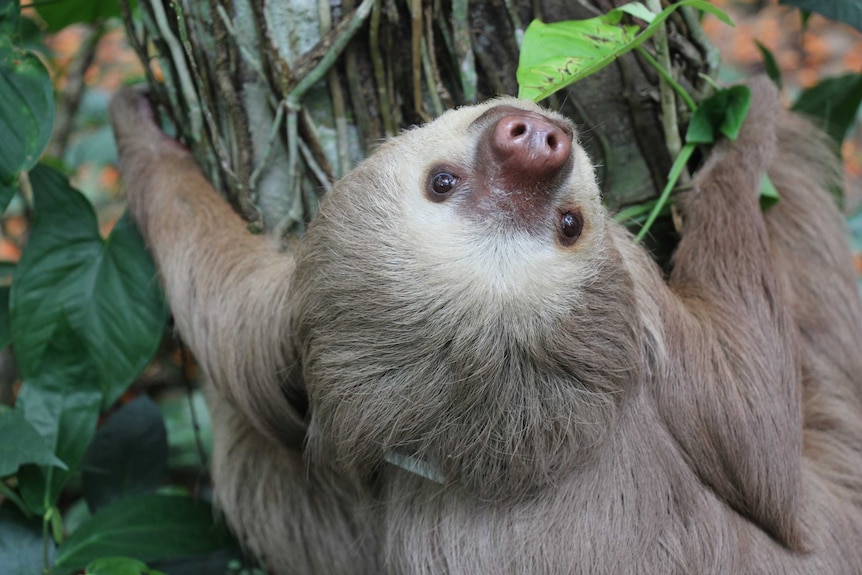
<point>183,77</point>
<point>668,100</point>
<point>416,47</point>
<point>339,109</point>
<point>464,49</point>
<point>317,62</point>
<point>380,72</point>
<point>689,101</point>
<point>267,151</point>
<point>70,97</point>
<point>242,147</point>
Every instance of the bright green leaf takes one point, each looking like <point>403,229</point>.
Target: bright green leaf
<point>768,194</point>
<point>21,546</point>
<point>676,170</point>
<point>834,102</point>
<point>22,444</point>
<point>26,113</point>
<point>119,566</point>
<point>145,528</point>
<point>721,113</point>
<point>128,456</point>
<point>738,102</point>
<point>61,401</point>
<point>769,64</point>
<point>106,289</point>
<point>58,15</point>
<point>638,10</point>
<point>556,55</point>
<point>847,11</point>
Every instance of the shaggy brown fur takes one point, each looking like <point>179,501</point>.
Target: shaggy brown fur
<point>586,415</point>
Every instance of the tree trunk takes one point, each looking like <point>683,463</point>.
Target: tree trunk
<point>248,88</point>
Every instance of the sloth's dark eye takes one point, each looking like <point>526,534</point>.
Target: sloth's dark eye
<point>443,183</point>
<point>441,186</point>
<point>571,226</point>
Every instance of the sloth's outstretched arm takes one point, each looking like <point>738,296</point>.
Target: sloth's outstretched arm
<point>228,291</point>
<point>226,287</point>
<point>733,394</point>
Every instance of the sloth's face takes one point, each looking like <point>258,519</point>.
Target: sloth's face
<point>495,203</point>
<point>500,196</point>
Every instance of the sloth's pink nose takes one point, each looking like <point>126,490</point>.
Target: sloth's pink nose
<point>530,145</point>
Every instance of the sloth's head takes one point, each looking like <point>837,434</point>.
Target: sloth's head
<point>494,203</point>
<point>458,298</point>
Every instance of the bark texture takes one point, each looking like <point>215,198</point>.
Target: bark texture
<point>249,87</point>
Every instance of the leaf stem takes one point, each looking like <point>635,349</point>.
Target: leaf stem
<point>685,96</point>
<point>675,172</point>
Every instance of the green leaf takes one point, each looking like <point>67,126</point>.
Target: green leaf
<point>834,102</point>
<point>21,547</point>
<point>62,13</point>
<point>7,270</point>
<point>10,15</point>
<point>738,102</point>
<point>722,113</point>
<point>105,289</point>
<point>556,55</point>
<point>847,11</point>
<point>187,431</point>
<point>145,528</point>
<point>676,169</point>
<point>119,566</point>
<point>26,113</point>
<point>61,401</point>
<point>7,192</point>
<point>769,64</point>
<point>768,194</point>
<point>128,455</point>
<point>22,444</point>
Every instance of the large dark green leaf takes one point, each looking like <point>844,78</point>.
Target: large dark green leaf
<point>59,14</point>
<point>21,547</point>
<point>22,443</point>
<point>128,455</point>
<point>10,14</point>
<point>61,400</point>
<point>7,192</point>
<point>26,110</point>
<point>105,289</point>
<point>834,102</point>
<point>145,528</point>
<point>847,11</point>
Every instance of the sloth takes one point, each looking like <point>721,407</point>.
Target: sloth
<point>466,366</point>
